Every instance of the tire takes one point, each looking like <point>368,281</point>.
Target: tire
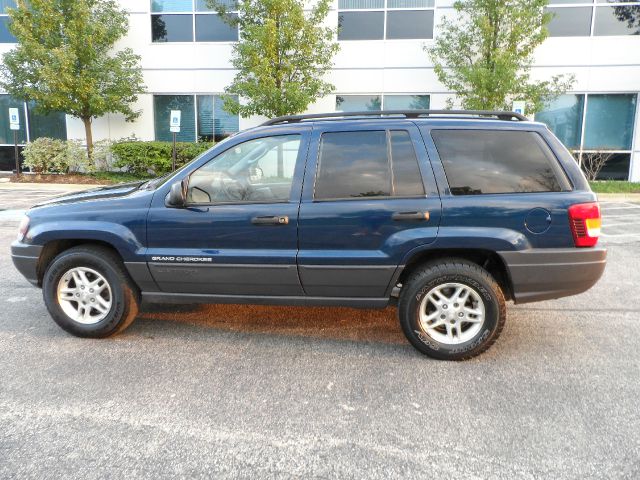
<point>73,279</point>
<point>437,322</point>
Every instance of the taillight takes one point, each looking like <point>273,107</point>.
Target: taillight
<point>585,223</point>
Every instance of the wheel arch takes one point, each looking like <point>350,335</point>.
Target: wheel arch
<point>487,259</point>
<point>53,248</point>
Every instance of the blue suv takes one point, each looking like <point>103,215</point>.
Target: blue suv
<point>446,214</point>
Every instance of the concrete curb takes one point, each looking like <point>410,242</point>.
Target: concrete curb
<point>619,197</point>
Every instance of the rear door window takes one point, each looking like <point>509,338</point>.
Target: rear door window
<point>497,161</point>
<point>359,164</point>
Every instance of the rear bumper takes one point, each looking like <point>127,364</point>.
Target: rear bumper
<point>543,274</point>
<point>25,258</point>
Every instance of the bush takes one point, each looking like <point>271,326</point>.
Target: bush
<point>141,158</point>
<point>49,155</point>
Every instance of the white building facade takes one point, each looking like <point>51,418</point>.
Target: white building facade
<point>186,51</point>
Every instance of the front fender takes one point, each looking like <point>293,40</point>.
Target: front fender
<point>120,237</point>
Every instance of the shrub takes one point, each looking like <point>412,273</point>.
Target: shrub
<point>142,158</point>
<point>49,155</point>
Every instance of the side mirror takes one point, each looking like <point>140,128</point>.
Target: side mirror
<point>177,197</point>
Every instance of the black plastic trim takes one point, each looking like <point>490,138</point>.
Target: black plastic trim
<point>188,298</point>
<point>547,273</point>
<point>25,258</point>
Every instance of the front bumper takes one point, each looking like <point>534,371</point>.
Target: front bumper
<point>543,274</point>
<point>25,257</point>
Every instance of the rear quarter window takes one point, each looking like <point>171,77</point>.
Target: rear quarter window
<point>498,161</point>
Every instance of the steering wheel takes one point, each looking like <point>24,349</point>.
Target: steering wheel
<point>234,188</point>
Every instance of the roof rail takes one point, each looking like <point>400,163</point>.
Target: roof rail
<point>501,115</point>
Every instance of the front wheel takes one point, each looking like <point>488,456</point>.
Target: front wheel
<point>451,310</point>
<point>89,293</point>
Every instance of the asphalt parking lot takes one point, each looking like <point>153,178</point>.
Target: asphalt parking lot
<point>255,392</point>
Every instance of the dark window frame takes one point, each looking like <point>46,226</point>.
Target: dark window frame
<point>387,131</point>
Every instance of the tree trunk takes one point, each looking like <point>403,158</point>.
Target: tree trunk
<point>89,134</point>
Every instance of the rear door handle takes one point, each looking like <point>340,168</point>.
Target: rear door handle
<point>410,216</point>
<point>271,220</point>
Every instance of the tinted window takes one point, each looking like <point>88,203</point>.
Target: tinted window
<point>619,20</point>
<point>407,180</point>
<point>259,170</point>
<point>563,115</point>
<point>360,25</point>
<point>171,5</point>
<point>406,102</point>
<point>172,28</point>
<point>357,164</point>
<point>162,106</point>
<point>212,28</point>
<point>353,164</point>
<point>52,125</point>
<point>410,24</point>
<point>6,134</point>
<point>4,4</point>
<point>358,103</point>
<point>570,22</point>
<point>482,161</point>
<point>609,121</point>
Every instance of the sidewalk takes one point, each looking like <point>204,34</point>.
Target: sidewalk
<point>54,187</point>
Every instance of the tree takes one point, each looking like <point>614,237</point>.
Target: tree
<point>65,59</point>
<point>594,162</point>
<point>282,56</point>
<point>485,55</point>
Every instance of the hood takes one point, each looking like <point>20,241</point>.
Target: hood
<point>100,193</point>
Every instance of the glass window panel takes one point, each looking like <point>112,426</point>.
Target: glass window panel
<point>52,125</point>
<point>352,165</point>
<point>564,117</point>
<point>358,103</point>
<point>8,158</point>
<point>410,24</point>
<point>162,106</point>
<point>212,28</point>
<point>570,22</point>
<point>171,6</point>
<point>484,161</point>
<point>224,123</point>
<point>609,121</point>
<point>4,4</point>
<point>203,6</point>
<point>6,134</point>
<point>360,25</point>
<point>406,102</point>
<point>172,28</point>
<point>205,117</point>
<point>5,35</point>
<point>410,3</point>
<point>259,170</point>
<point>618,20</point>
<point>361,4</point>
<point>407,179</point>
<point>616,168</point>
<point>561,2</point>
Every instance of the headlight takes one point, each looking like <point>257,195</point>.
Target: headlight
<point>23,228</point>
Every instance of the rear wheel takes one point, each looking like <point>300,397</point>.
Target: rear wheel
<point>89,293</point>
<point>451,310</point>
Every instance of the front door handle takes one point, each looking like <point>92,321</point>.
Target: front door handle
<point>271,220</point>
<point>410,216</point>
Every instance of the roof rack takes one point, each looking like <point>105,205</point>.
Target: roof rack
<point>501,115</point>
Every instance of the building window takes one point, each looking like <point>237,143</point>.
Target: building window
<point>189,21</point>
<point>390,19</point>
<point>582,18</point>
<point>5,35</point>
<point>595,123</point>
<point>360,103</point>
<point>203,118</point>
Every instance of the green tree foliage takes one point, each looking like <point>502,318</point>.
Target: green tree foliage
<point>65,59</point>
<point>282,56</point>
<point>485,55</point>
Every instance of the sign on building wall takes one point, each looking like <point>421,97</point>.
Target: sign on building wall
<point>519,107</point>
<point>174,123</point>
<point>14,119</point>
